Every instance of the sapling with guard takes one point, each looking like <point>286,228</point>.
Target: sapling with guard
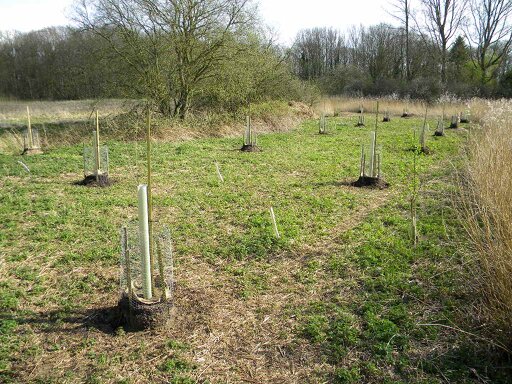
<point>31,140</point>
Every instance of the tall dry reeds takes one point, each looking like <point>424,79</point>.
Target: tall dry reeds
<point>446,105</point>
<point>487,215</point>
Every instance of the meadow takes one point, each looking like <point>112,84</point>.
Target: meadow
<point>341,297</point>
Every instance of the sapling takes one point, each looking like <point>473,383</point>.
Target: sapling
<point>414,197</point>
<point>423,135</point>
<point>29,128</point>
<point>322,125</point>
<point>386,118</point>
<point>405,112</point>
<point>146,279</point>
<point>371,161</point>
<point>440,127</point>
<point>455,121</point>
<point>465,117</point>
<point>414,194</point>
<point>96,161</point>
<point>250,141</point>
<point>31,141</point>
<point>373,156</point>
<point>360,121</point>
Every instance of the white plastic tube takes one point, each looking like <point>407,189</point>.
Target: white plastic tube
<point>142,193</point>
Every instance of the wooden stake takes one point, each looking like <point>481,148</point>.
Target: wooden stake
<point>413,197</point>
<point>127,263</point>
<point>274,224</point>
<point>160,258</point>
<point>423,131</point>
<point>218,172</point>
<point>361,169</point>
<point>30,137</point>
<point>378,165</point>
<point>375,137</point>
<point>414,223</point>
<point>150,194</point>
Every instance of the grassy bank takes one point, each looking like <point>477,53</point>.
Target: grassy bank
<point>342,297</point>
<point>70,123</point>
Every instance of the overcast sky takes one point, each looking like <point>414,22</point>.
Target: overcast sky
<point>286,16</point>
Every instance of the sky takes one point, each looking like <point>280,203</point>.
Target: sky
<point>290,16</point>
<point>286,17</point>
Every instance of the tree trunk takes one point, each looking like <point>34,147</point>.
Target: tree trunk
<point>407,47</point>
<point>443,63</point>
<point>182,105</point>
<point>165,107</point>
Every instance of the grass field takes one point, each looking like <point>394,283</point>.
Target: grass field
<point>342,297</point>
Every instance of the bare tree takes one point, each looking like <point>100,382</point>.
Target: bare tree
<point>402,12</point>
<point>318,51</point>
<point>490,35</point>
<point>442,21</point>
<point>171,45</point>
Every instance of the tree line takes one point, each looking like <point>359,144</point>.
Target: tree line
<point>184,54</point>
<point>176,54</point>
<point>460,47</point>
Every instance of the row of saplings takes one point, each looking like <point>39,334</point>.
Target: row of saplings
<point>371,157</point>
<point>146,299</point>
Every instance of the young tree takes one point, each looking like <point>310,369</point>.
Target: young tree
<point>491,35</point>
<point>459,56</point>
<point>171,45</point>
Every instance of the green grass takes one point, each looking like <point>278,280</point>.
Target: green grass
<point>342,284</point>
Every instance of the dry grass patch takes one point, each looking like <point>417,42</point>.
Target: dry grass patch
<point>486,200</point>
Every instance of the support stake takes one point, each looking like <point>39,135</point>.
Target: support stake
<point>274,224</point>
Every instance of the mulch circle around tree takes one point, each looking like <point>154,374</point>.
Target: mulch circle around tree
<point>142,315</point>
<point>438,133</point>
<point>370,182</point>
<point>91,181</point>
<point>250,148</point>
<point>386,120</point>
